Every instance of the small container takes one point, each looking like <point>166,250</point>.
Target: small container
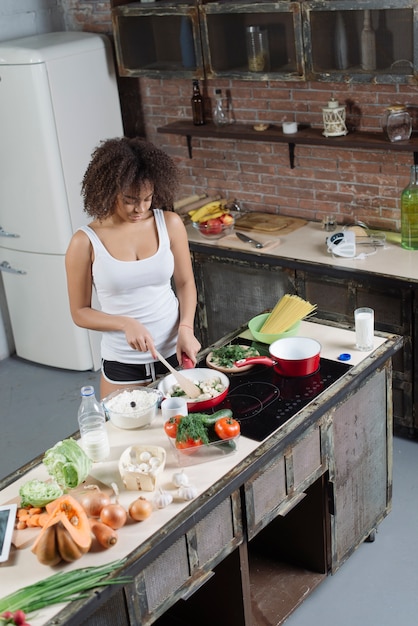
<point>397,123</point>
<point>364,326</point>
<point>258,49</point>
<point>92,424</point>
<point>289,128</point>
<point>170,407</point>
<point>140,467</point>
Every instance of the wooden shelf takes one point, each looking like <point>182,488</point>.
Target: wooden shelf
<point>306,135</point>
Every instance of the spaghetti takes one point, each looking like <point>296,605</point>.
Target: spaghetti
<point>288,310</point>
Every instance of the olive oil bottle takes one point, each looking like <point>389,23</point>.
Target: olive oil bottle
<point>409,212</point>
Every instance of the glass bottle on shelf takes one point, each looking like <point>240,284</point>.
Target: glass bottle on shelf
<point>368,44</point>
<point>92,424</point>
<point>197,105</point>
<point>409,212</point>
<point>220,117</point>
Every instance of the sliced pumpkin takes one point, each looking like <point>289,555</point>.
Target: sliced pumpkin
<point>69,524</point>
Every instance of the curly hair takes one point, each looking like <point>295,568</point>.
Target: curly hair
<point>123,165</point>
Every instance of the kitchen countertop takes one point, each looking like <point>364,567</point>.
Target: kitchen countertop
<point>308,244</point>
<point>23,568</point>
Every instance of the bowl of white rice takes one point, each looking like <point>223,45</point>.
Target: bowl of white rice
<point>132,407</point>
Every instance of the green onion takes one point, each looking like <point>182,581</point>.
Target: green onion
<point>62,587</point>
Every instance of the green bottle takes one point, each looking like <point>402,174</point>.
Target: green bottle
<point>409,212</point>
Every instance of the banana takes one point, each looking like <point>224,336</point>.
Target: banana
<point>211,216</point>
<point>210,207</point>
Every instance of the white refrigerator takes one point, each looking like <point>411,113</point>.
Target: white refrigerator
<point>58,100</point>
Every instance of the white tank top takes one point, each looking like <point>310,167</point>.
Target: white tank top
<point>140,289</point>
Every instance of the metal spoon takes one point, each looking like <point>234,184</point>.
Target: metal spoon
<point>190,389</point>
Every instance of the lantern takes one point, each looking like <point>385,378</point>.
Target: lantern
<point>334,119</point>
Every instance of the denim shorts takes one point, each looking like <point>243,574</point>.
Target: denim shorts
<point>134,374</point>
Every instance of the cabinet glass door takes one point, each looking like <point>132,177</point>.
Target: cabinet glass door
<point>254,41</point>
<point>366,40</point>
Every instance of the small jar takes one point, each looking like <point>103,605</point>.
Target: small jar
<point>397,123</point>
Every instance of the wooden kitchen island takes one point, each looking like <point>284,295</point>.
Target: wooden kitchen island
<point>270,522</point>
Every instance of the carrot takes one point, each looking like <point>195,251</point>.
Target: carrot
<point>32,517</point>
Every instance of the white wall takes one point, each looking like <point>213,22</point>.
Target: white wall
<point>23,18</point>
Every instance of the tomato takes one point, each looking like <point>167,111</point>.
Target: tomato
<point>189,443</point>
<point>227,427</point>
<point>171,425</point>
<point>211,227</point>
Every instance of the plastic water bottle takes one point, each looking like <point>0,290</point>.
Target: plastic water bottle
<point>92,424</point>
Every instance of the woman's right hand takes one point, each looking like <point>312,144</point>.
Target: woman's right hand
<point>138,336</point>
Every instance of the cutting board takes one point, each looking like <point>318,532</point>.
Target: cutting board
<point>268,223</point>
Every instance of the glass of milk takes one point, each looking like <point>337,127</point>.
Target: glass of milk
<point>364,325</point>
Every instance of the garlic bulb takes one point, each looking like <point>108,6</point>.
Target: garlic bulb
<point>187,492</point>
<point>162,499</point>
<point>180,479</point>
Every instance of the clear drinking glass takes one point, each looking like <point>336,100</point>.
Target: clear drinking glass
<point>364,325</point>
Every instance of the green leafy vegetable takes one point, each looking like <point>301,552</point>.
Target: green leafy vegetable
<point>39,493</point>
<point>67,463</point>
<point>191,426</point>
<point>227,355</point>
<point>62,587</point>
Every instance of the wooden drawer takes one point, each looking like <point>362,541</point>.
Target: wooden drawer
<point>186,564</point>
<point>304,460</point>
<point>278,487</point>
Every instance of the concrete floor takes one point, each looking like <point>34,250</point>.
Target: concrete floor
<point>377,586</point>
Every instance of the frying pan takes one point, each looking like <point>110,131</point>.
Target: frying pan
<point>291,356</point>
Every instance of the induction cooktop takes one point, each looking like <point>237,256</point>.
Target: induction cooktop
<point>262,400</point>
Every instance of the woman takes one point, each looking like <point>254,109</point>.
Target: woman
<point>130,252</point>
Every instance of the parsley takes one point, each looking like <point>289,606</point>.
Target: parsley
<point>227,355</point>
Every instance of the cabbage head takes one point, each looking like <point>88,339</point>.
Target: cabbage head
<point>67,463</point>
<point>38,493</point>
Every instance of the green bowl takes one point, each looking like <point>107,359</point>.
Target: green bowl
<point>257,322</point>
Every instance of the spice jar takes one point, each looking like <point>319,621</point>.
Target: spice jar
<point>397,123</point>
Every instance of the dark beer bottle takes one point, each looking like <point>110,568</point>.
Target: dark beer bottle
<point>197,105</point>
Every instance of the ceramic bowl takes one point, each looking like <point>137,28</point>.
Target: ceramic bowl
<point>257,322</point>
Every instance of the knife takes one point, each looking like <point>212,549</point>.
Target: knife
<point>246,239</point>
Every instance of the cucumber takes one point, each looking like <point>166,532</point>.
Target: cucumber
<point>209,420</point>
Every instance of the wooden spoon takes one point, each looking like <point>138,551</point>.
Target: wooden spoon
<point>190,389</point>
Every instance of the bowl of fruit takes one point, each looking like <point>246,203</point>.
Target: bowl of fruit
<point>213,220</point>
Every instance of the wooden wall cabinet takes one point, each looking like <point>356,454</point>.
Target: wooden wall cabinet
<point>157,39</point>
<point>344,55</point>
<point>307,39</point>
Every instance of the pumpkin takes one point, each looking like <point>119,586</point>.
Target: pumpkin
<point>66,535</point>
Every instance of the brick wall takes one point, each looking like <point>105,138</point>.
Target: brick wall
<point>351,184</point>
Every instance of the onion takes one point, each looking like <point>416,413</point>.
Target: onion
<point>140,509</point>
<point>93,500</point>
<point>113,515</point>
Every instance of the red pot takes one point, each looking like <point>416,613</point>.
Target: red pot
<point>290,357</point>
